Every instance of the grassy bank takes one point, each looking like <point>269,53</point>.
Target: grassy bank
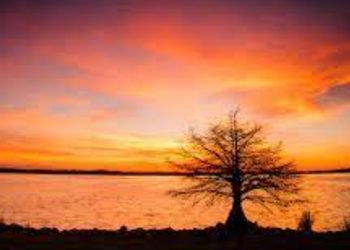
<point>17,237</point>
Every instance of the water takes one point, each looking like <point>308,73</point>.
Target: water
<point>78,201</point>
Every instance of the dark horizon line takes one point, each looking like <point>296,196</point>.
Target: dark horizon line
<point>9,170</point>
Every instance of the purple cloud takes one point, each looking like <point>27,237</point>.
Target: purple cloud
<point>337,95</point>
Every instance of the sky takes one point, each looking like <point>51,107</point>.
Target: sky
<point>116,84</point>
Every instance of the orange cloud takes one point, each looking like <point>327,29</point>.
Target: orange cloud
<point>152,69</point>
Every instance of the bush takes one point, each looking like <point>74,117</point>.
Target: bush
<point>306,222</point>
<point>346,225</point>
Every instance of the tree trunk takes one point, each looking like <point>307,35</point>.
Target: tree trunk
<point>236,220</point>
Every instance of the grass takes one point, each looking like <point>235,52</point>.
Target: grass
<point>346,224</point>
<point>306,222</point>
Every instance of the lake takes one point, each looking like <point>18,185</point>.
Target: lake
<point>108,202</point>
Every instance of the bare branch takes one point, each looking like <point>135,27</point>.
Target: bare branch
<point>233,160</point>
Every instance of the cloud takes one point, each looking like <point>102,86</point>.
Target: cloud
<point>335,96</point>
<point>153,67</point>
<point>268,101</point>
<point>123,152</point>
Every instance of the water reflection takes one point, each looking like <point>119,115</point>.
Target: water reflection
<point>110,201</point>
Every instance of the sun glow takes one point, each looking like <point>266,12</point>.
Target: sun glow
<point>118,87</point>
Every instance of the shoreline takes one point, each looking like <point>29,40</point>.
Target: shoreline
<point>9,170</point>
<point>13,236</point>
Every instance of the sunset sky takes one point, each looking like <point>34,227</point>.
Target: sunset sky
<point>116,84</point>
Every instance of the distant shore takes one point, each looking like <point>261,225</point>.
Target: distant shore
<point>18,237</point>
<point>131,173</point>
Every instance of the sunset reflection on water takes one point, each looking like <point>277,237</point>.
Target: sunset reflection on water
<point>75,201</point>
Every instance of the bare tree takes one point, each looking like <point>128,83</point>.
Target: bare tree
<point>233,160</point>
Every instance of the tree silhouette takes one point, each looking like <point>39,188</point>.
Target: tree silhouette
<point>232,160</point>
